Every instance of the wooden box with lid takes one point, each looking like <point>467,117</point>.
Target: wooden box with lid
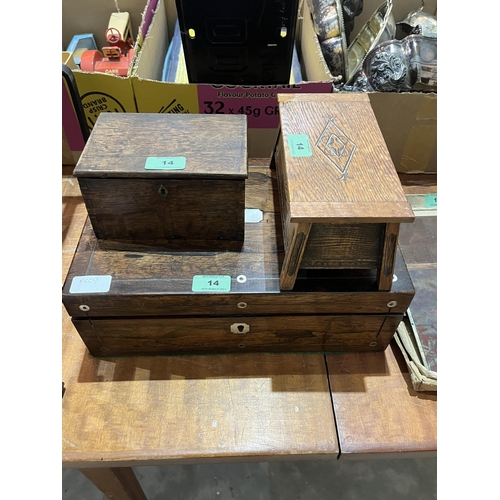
<point>177,181</point>
<point>341,199</point>
<point>125,300</point>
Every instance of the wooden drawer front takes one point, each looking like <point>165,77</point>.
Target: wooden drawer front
<point>187,335</point>
<point>170,209</point>
<point>353,246</point>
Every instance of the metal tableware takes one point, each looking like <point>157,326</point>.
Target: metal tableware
<point>334,53</point>
<point>350,9</point>
<point>326,19</point>
<point>425,21</point>
<point>422,55</point>
<point>328,24</point>
<point>379,28</point>
<point>399,66</point>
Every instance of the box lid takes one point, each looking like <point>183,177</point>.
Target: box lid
<point>144,145</point>
<point>337,167</point>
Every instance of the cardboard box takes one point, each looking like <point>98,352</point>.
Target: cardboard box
<point>408,120</point>
<point>258,102</point>
<point>74,131</point>
<point>102,92</point>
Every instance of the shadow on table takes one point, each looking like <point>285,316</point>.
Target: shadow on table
<point>70,204</point>
<point>287,372</point>
<point>362,372</point>
<point>296,367</point>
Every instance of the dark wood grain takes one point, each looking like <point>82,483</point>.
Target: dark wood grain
<point>298,235</point>
<point>198,206</point>
<point>149,303</point>
<point>282,195</point>
<point>156,285</point>
<point>418,241</point>
<point>120,143</point>
<point>191,210</point>
<point>204,335</point>
<point>149,282</point>
<point>388,258</point>
<point>351,246</point>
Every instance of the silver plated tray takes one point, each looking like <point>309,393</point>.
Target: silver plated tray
<point>379,28</point>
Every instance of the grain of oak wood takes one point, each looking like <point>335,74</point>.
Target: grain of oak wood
<point>214,146</point>
<point>341,199</point>
<point>145,411</point>
<point>315,189</point>
<point>376,409</point>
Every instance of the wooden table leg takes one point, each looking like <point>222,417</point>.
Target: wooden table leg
<point>118,483</point>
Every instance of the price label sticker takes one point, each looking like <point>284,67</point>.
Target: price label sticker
<point>165,163</point>
<point>299,145</point>
<point>431,201</point>
<point>90,284</point>
<point>211,284</point>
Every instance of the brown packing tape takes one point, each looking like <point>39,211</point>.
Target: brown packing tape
<point>419,154</point>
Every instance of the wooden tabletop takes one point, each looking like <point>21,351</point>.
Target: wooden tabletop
<point>122,412</point>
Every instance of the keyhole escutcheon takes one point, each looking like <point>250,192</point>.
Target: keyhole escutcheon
<point>163,191</point>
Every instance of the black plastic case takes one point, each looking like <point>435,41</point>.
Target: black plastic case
<point>246,42</point>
